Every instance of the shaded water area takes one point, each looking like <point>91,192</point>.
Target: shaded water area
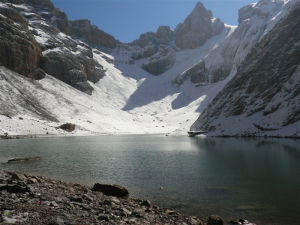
<point>257,179</point>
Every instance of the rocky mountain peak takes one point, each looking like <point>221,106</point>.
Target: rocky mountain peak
<point>197,28</point>
<point>200,12</point>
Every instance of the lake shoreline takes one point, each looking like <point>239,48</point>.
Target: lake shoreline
<point>30,199</point>
<point>29,136</point>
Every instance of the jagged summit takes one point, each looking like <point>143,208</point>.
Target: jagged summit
<point>198,27</point>
<point>160,47</point>
<point>201,11</point>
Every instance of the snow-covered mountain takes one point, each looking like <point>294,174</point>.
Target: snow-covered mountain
<point>263,98</point>
<point>56,71</point>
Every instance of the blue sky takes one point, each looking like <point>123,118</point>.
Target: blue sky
<point>127,19</point>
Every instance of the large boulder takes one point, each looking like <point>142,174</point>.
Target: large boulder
<point>112,190</point>
<point>215,220</point>
<point>68,127</point>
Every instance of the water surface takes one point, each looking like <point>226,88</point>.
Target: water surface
<point>257,179</point>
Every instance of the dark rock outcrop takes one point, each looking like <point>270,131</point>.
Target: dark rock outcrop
<point>157,45</point>
<point>197,74</point>
<point>91,34</point>
<point>163,35</point>
<point>72,69</point>
<point>67,68</point>
<point>68,127</point>
<point>198,27</point>
<point>112,190</point>
<point>18,49</point>
<point>161,61</point>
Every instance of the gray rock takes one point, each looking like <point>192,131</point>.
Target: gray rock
<point>88,198</point>
<point>126,211</point>
<point>54,204</point>
<point>32,180</point>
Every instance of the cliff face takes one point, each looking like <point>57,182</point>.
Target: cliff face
<point>264,96</point>
<point>34,41</point>
<point>18,49</point>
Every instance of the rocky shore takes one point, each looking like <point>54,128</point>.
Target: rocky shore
<point>36,200</point>
<point>28,199</point>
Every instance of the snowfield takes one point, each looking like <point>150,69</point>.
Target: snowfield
<point>128,102</point>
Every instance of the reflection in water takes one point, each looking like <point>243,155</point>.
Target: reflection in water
<point>253,178</point>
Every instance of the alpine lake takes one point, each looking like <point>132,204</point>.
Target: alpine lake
<point>257,179</point>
